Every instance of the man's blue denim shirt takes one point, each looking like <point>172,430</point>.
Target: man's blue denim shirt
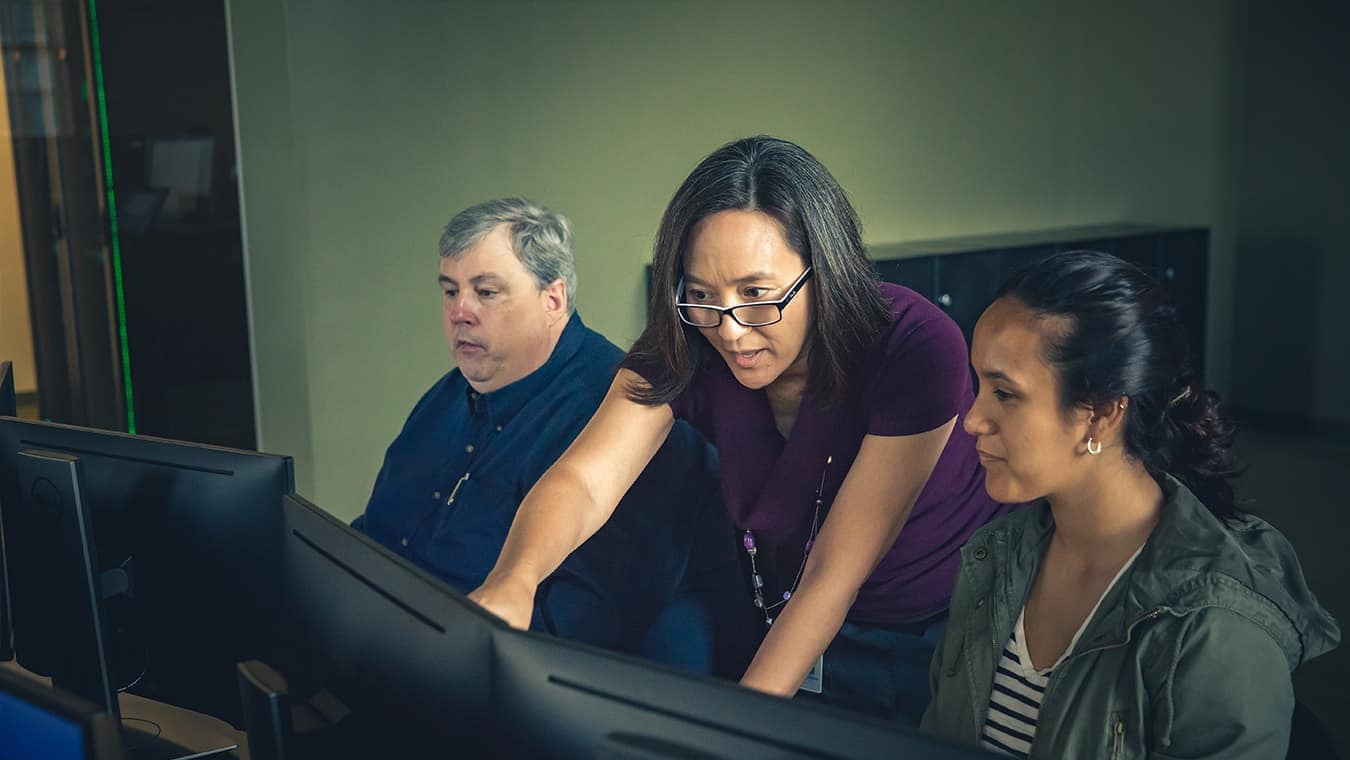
<point>453,478</point>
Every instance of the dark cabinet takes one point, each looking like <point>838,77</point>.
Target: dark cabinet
<point>915,273</point>
<point>961,275</point>
<point>1183,266</point>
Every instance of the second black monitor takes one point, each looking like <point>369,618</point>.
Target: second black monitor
<point>569,700</point>
<point>189,541</point>
<point>398,662</point>
<point>8,402</point>
<point>39,721</point>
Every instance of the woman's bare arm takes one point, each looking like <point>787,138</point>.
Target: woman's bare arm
<point>872,506</point>
<point>574,498</point>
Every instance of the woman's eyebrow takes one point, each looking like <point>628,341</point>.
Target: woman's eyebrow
<point>749,278</point>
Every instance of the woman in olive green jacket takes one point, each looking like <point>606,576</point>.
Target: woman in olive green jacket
<point>1132,611</point>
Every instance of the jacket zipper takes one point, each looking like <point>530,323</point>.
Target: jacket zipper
<point>1118,741</point>
<point>1129,634</point>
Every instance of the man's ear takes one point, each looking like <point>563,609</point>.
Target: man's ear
<point>555,298</point>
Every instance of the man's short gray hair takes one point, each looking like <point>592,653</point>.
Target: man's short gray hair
<point>540,238</point>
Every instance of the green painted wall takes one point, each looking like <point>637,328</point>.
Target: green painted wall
<point>276,236</point>
<point>364,126</point>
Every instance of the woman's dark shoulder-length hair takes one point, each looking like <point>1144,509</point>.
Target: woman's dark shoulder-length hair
<point>781,179</point>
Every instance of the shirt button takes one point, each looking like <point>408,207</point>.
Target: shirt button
<point>981,553</point>
<point>499,428</point>
<point>468,449</point>
<point>436,494</point>
<point>979,603</point>
<point>403,541</point>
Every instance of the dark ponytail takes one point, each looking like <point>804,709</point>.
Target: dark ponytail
<point>1121,338</point>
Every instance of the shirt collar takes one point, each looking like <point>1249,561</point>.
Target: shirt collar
<point>504,403</point>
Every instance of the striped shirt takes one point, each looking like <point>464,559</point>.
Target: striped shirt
<point>1015,702</point>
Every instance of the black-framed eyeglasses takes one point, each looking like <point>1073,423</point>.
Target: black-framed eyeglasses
<point>753,314</point>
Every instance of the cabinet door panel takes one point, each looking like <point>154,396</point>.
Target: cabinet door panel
<point>1014,259</point>
<point>1185,276</point>
<point>914,273</point>
<point>1144,251</point>
<point>965,284</point>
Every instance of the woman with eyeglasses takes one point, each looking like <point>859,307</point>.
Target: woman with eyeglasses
<point>1133,611</point>
<point>833,402</point>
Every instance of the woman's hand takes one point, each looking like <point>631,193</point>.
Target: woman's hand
<point>510,599</point>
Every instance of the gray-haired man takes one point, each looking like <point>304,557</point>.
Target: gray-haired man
<point>529,376</point>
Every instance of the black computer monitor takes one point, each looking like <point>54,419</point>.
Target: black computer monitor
<point>8,408</point>
<point>39,721</point>
<point>188,539</point>
<point>54,542</point>
<point>405,656</point>
<point>564,699</point>
<point>408,659</point>
<point>9,405</point>
<point>401,665</point>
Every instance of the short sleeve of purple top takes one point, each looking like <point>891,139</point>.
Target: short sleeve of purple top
<point>915,378</point>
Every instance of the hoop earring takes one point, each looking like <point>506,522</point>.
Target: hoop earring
<point>1096,451</point>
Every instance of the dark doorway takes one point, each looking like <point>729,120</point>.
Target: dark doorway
<point>154,87</point>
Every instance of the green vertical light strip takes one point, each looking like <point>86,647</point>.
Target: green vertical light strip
<point>112,218</point>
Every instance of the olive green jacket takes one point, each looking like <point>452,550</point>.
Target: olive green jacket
<point>1189,654</point>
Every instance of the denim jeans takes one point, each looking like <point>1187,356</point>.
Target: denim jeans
<point>881,670</point>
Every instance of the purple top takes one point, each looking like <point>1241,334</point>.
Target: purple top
<point>915,378</point>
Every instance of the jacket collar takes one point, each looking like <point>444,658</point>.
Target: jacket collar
<point>1191,561</point>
